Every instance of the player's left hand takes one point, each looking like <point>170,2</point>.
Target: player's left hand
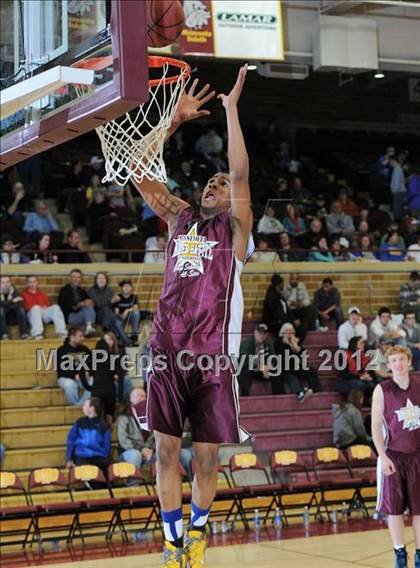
<point>189,106</point>
<point>232,98</point>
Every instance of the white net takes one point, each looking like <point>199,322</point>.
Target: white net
<point>132,144</point>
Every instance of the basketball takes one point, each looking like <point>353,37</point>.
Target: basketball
<point>165,20</point>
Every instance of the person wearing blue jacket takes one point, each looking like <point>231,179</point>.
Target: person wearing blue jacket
<point>89,440</point>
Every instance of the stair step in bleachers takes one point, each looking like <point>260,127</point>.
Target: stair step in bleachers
<point>27,380</point>
<point>268,421</point>
<point>295,439</point>
<point>44,416</point>
<point>32,398</point>
<point>40,436</point>
<point>270,403</point>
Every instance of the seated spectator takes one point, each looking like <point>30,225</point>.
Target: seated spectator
<point>158,255</point>
<point>348,426</point>
<point>136,445</point>
<point>299,303</point>
<point>282,190</point>
<point>413,191</point>
<point>379,363</point>
<point>75,181</point>
<point>73,247</point>
<point>384,326</point>
<point>98,214</point>
<point>410,294</point>
<point>293,224</point>
<point>391,228</point>
<point>10,255</point>
<point>77,308</point>
<point>322,252</point>
<point>257,349</point>
<point>365,249</point>
<point>40,310</point>
<point>391,250</point>
<point>413,251</point>
<point>410,230</point>
<point>103,297</point>
<point>89,439</point>
<point>262,254</point>
<point>412,331</point>
<point>287,347</point>
<point>287,251</point>
<point>340,249</point>
<point>41,251</point>
<point>327,302</point>
<point>11,309</point>
<point>209,144</point>
<point>353,327</point>
<point>348,206</point>
<point>398,188</point>
<point>72,376</point>
<point>275,309</point>
<point>39,221</point>
<point>311,238</point>
<point>127,312</point>
<point>19,204</point>
<point>355,376</point>
<point>301,196</point>
<point>269,224</point>
<point>94,186</point>
<point>338,223</point>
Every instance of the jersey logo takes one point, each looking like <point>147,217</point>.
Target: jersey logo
<point>409,415</point>
<point>190,250</point>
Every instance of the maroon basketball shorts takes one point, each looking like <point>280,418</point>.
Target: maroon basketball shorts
<point>208,397</point>
<point>401,490</point>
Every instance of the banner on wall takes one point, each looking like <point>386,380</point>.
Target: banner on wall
<point>234,30</point>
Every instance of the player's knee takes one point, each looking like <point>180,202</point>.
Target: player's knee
<point>206,462</point>
<point>167,454</point>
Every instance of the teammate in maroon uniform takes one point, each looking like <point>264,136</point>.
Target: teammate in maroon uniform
<point>396,434</point>
<point>200,310</point>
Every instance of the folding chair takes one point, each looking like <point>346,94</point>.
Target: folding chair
<point>130,500</point>
<point>49,492</point>
<point>291,467</point>
<point>15,508</point>
<point>331,470</point>
<point>362,462</point>
<point>88,486</point>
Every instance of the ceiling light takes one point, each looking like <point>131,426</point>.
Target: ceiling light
<point>379,75</point>
<point>252,67</point>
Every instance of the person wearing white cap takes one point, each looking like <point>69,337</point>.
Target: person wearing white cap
<point>353,327</point>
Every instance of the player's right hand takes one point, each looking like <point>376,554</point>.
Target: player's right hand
<point>387,466</point>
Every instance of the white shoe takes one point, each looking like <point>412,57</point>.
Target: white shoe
<point>38,337</point>
<point>90,330</point>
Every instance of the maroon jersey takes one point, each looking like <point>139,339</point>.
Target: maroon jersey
<point>201,305</point>
<point>402,416</point>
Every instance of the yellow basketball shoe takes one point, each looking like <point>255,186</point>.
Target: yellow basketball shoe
<point>195,545</point>
<point>174,557</point>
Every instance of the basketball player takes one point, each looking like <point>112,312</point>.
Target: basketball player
<point>396,408</point>
<point>200,310</point>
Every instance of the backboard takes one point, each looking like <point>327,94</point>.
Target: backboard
<point>38,36</point>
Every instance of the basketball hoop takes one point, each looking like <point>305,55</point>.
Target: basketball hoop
<point>132,144</point>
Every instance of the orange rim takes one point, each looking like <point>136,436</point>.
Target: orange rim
<point>155,62</point>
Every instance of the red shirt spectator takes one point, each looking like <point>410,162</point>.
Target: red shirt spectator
<point>33,298</point>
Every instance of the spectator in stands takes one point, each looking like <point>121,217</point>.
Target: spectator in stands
<point>275,310</point>
<point>353,327</point>
<point>413,251</point>
<point>302,197</point>
<point>269,224</point>
<point>391,250</point>
<point>94,187</point>
<point>10,255</point>
<point>362,231</point>
<point>116,195</point>
<point>299,303</point>
<point>338,223</point>
<point>410,230</point>
<point>137,446</point>
<point>321,253</point>
<point>19,204</point>
<point>293,224</point>
<point>103,297</point>
<point>39,221</point>
<point>158,253</point>
<point>348,426</point>
<point>108,376</point>
<point>282,190</point>
<point>365,249</point>
<point>393,228</point>
<point>73,247</point>
<point>327,302</point>
<point>355,375</point>
<point>316,231</point>
<point>89,439</point>
<point>40,310</point>
<point>384,165</point>
<point>293,368</point>
<point>413,191</point>
<point>410,294</point>
<point>73,367</point>
<point>41,251</point>
<point>98,213</point>
<point>288,251</point>
<point>348,206</point>
<point>209,144</point>
<point>127,312</point>
<point>412,335</point>
<point>96,167</point>
<point>11,309</point>
<point>340,249</point>
<point>77,308</point>
<point>379,364</point>
<point>398,188</point>
<point>262,252</point>
<point>384,326</point>
<point>255,350</point>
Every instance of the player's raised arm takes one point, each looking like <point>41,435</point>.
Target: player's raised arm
<point>155,194</point>
<point>238,168</point>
